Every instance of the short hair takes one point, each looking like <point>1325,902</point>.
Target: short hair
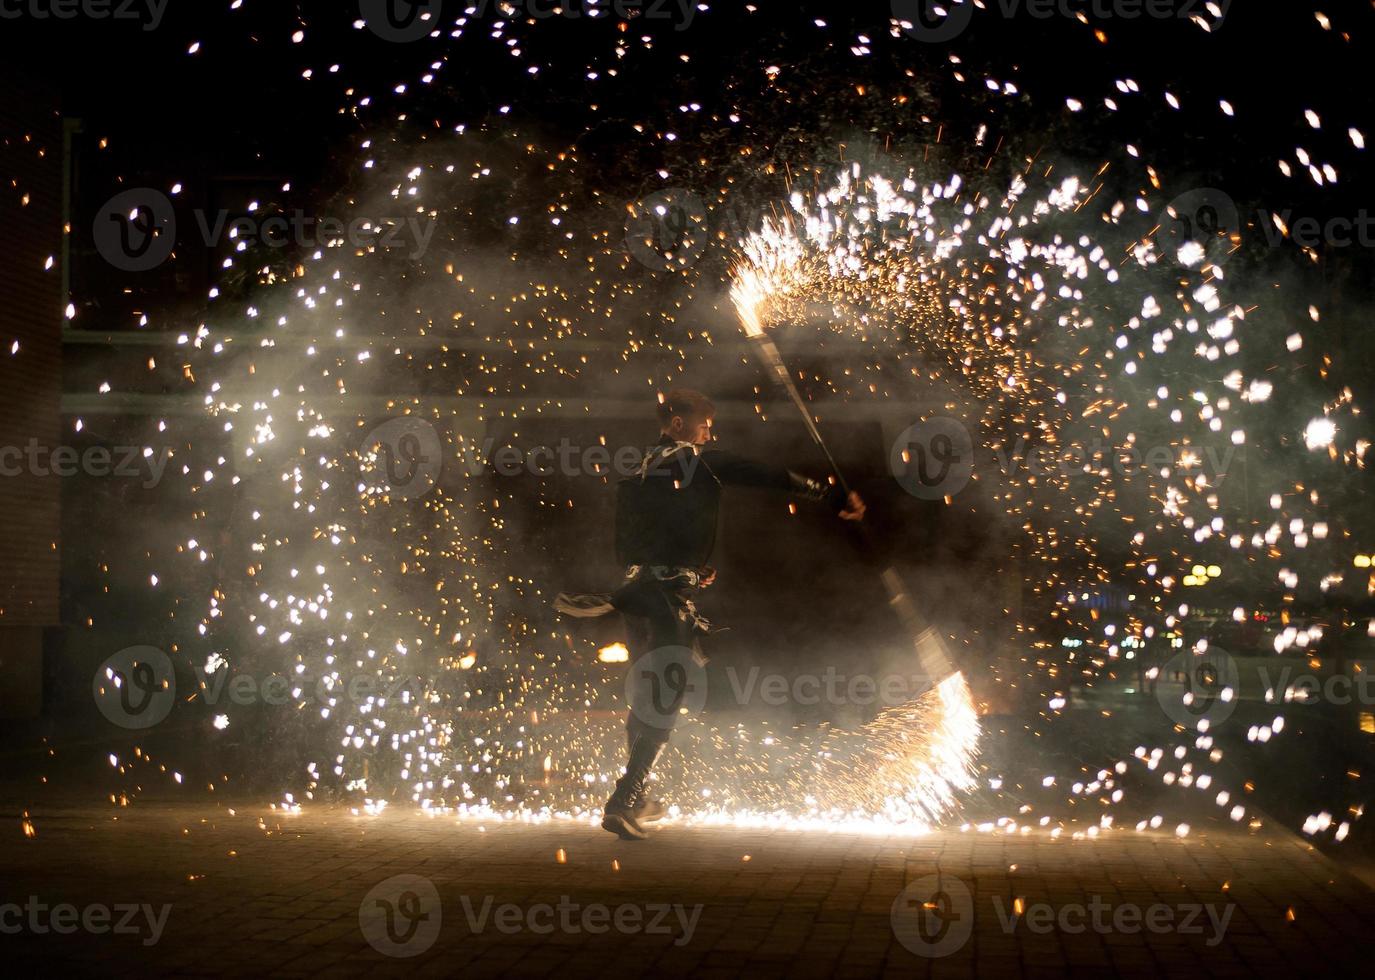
<point>687,403</point>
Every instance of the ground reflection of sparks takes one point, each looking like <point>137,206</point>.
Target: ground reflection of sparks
<point>900,773</point>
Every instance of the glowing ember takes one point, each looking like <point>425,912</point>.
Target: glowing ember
<point>615,653</point>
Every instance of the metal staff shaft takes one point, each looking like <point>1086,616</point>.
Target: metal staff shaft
<point>930,646</point>
<point>769,352</point>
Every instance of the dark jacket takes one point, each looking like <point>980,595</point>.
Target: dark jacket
<point>666,514</point>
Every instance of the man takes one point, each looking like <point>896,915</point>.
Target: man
<point>665,531</point>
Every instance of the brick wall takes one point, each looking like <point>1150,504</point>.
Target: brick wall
<point>31,305</point>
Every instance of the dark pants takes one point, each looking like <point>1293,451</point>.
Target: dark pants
<point>665,661</point>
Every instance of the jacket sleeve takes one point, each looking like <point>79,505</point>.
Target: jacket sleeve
<point>733,470</point>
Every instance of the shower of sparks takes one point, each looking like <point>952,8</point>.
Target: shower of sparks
<point>1048,313</point>
<point>927,748</point>
<point>988,295</point>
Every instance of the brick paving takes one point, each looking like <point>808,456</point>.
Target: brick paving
<point>282,898</point>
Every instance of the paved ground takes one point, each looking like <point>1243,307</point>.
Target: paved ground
<point>255,893</point>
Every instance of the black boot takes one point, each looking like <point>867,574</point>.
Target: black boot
<point>646,810</point>
<point>619,812</point>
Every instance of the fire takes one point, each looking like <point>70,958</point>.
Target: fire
<point>919,756</point>
<point>616,653</point>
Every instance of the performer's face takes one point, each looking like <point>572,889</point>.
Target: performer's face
<point>695,431</point>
